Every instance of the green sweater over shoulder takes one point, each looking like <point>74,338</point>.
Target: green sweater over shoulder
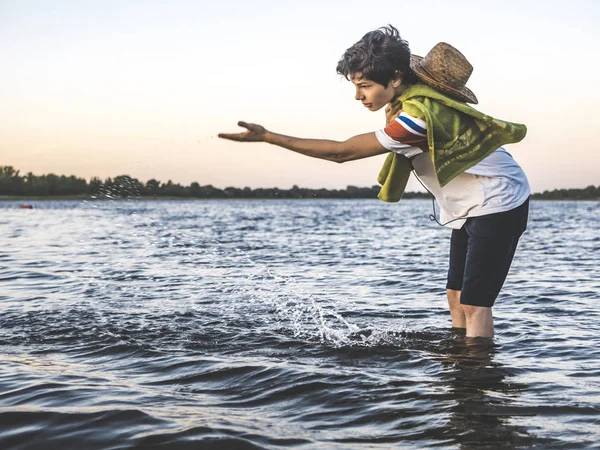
<point>458,137</point>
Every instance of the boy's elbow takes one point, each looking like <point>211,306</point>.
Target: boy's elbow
<point>339,158</point>
<point>341,154</point>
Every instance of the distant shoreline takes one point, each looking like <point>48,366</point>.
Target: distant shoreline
<point>14,186</point>
<point>167,198</point>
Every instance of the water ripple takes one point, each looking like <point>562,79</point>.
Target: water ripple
<point>288,324</point>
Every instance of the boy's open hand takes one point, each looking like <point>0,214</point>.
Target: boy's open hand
<point>255,133</point>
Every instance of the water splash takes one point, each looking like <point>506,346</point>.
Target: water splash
<point>250,285</point>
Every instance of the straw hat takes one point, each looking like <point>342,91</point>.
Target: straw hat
<point>447,70</point>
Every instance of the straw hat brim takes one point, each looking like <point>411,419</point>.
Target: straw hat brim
<point>464,94</point>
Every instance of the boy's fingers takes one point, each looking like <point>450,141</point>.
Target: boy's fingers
<point>231,137</point>
<point>241,137</point>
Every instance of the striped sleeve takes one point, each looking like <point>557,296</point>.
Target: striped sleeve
<point>404,135</point>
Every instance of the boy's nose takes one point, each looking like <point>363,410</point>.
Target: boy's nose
<point>359,96</point>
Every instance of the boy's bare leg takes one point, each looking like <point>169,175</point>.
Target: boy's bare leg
<point>456,311</point>
<point>480,322</point>
<point>477,320</point>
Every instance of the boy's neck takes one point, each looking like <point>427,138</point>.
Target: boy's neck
<point>400,89</point>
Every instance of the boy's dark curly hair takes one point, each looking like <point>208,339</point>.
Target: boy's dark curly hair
<point>378,56</point>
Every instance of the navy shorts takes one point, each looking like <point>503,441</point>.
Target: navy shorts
<point>481,253</point>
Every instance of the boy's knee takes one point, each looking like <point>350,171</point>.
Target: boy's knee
<point>473,311</point>
<point>453,296</point>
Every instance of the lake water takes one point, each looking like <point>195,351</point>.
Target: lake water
<point>304,324</point>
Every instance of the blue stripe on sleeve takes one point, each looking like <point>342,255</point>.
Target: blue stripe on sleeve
<point>412,125</point>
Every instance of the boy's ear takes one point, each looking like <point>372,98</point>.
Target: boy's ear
<point>397,80</point>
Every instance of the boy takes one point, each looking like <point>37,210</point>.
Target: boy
<point>455,151</point>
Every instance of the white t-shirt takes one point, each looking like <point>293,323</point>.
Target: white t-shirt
<point>496,184</point>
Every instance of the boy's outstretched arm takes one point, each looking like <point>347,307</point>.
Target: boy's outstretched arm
<point>357,147</point>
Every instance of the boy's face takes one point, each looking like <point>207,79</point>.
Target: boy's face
<point>373,95</point>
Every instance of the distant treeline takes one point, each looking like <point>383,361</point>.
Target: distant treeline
<point>12,183</point>
<point>588,193</point>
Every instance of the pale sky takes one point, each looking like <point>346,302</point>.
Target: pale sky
<point>102,88</point>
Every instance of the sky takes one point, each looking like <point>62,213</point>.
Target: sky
<point>143,87</point>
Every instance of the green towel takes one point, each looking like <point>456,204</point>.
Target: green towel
<point>458,137</point>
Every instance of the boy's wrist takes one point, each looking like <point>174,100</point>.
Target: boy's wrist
<point>269,137</point>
